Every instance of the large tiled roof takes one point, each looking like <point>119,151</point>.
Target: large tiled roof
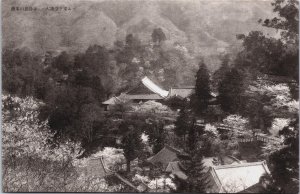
<point>145,90</point>
<point>236,177</point>
<point>149,90</point>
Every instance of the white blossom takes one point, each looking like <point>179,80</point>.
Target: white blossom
<point>236,121</point>
<point>212,129</point>
<point>278,124</point>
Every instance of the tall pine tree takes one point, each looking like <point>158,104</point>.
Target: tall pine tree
<point>202,95</point>
<point>192,165</point>
<point>230,91</point>
<point>197,181</point>
<point>219,74</point>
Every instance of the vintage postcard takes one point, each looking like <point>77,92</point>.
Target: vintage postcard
<point>186,96</point>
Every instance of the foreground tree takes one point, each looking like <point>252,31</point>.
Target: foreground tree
<point>197,181</point>
<point>285,162</point>
<point>288,21</point>
<point>274,56</point>
<point>30,163</point>
<point>193,166</point>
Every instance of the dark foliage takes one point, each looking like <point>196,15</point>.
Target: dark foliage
<point>175,103</point>
<point>200,99</point>
<point>157,135</point>
<point>131,142</point>
<point>193,167</point>
<point>158,35</point>
<point>230,91</point>
<point>219,74</point>
<point>183,122</point>
<point>285,162</point>
<point>63,63</point>
<point>192,136</point>
<point>21,72</point>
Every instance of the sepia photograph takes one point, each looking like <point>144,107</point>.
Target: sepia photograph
<point>150,96</point>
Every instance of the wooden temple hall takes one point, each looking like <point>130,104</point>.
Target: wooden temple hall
<point>147,90</point>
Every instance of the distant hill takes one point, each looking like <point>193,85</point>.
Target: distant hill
<point>206,28</point>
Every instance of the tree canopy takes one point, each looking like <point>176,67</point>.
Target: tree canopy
<point>202,95</point>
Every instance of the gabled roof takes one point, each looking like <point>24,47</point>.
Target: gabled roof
<point>96,168</point>
<point>165,156</point>
<point>236,177</point>
<point>175,169</point>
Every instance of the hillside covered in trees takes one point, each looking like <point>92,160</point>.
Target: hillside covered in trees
<point>242,68</point>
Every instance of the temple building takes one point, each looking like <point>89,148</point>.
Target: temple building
<point>148,90</point>
<point>144,91</point>
<point>236,178</point>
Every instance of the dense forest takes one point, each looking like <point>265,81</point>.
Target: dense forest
<point>53,118</point>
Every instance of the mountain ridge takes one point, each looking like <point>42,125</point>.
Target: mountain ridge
<point>204,27</point>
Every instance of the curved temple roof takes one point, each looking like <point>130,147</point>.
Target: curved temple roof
<point>154,88</point>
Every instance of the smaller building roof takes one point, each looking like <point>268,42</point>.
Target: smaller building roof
<point>142,97</point>
<point>175,169</point>
<point>165,156</point>
<point>184,92</point>
<point>113,100</point>
<point>236,177</point>
<point>180,92</point>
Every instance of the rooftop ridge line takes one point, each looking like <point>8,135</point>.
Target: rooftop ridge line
<point>238,165</point>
